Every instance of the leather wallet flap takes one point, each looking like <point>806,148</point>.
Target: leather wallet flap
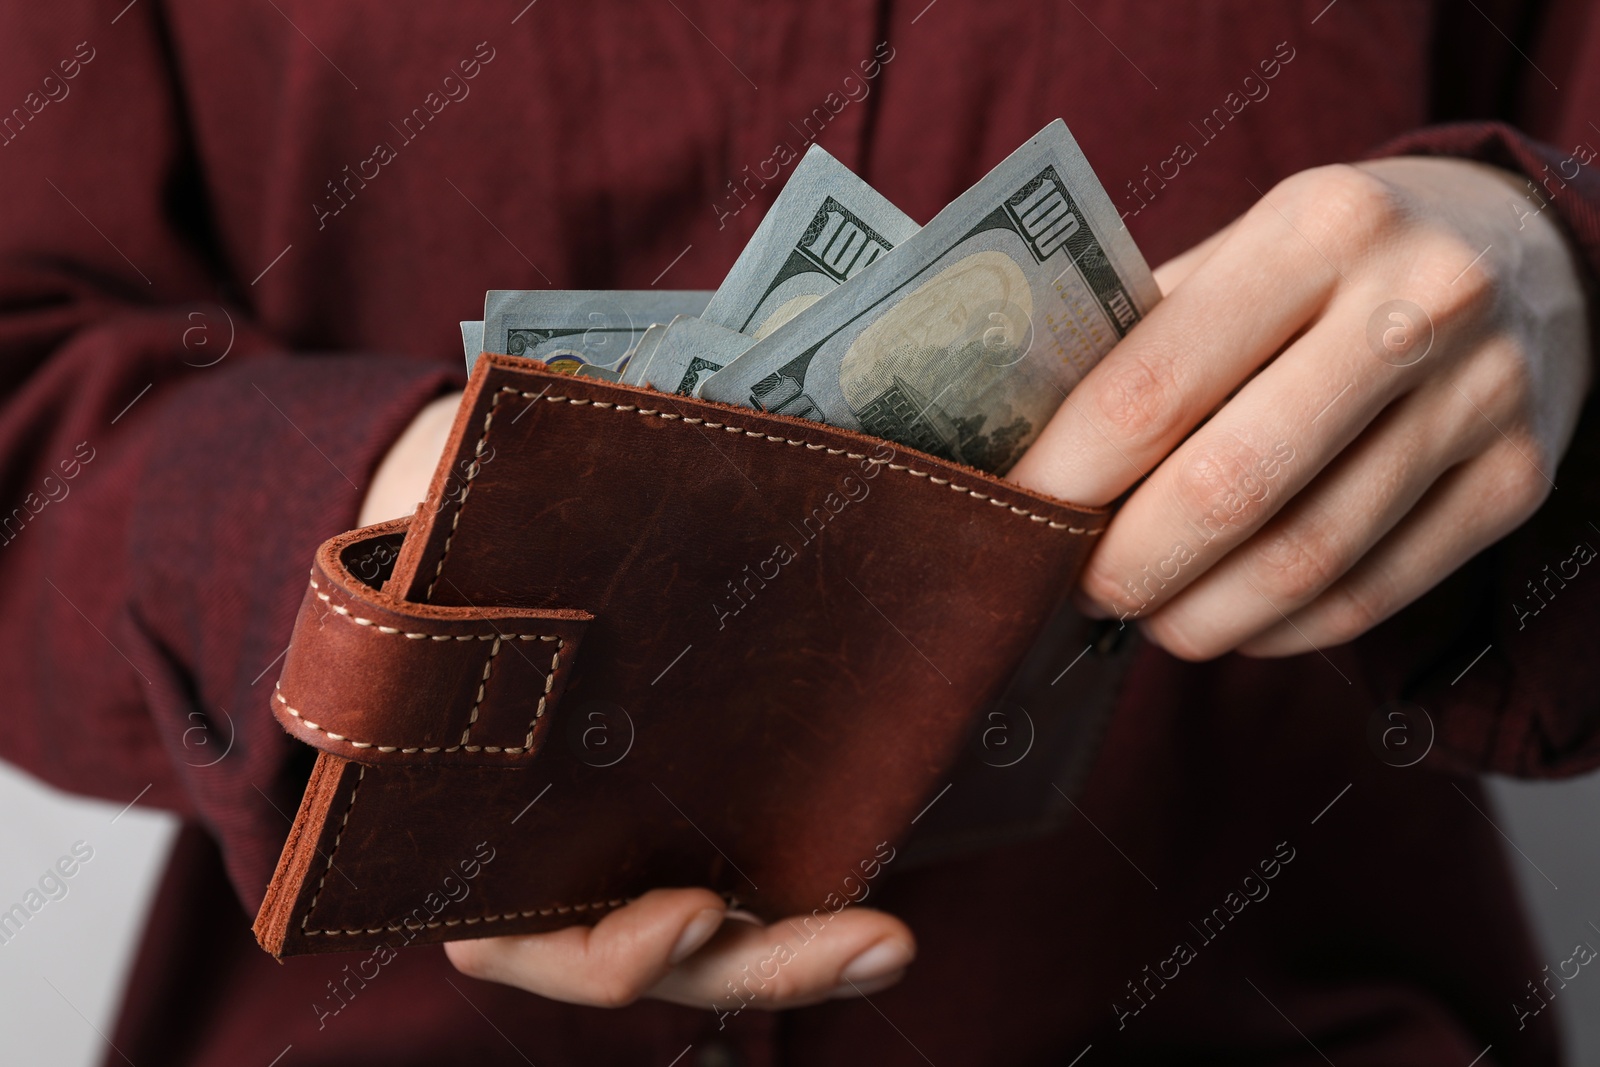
<point>791,631</point>
<point>381,681</point>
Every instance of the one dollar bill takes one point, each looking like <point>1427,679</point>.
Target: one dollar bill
<point>966,338</point>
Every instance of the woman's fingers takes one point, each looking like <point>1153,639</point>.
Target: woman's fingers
<point>1180,362</point>
<point>1171,274</point>
<point>1240,404</point>
<point>793,962</point>
<point>1224,483</point>
<point>675,945</point>
<point>1324,530</point>
<point>1469,508</point>
<point>610,964</point>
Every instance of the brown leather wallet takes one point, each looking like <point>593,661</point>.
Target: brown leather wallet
<point>634,640</point>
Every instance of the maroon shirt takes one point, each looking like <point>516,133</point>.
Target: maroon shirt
<point>236,243</point>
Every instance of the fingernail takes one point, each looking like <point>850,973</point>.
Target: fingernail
<point>866,989</point>
<point>695,934</point>
<point>740,915</point>
<point>882,959</point>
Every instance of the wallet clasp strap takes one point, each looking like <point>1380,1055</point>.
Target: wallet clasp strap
<point>379,680</point>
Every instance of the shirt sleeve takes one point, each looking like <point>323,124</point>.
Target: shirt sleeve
<point>167,465</point>
<point>1502,656</point>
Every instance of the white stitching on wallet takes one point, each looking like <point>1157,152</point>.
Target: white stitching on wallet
<point>361,776</point>
<point>513,750</point>
<point>483,683</point>
<point>510,750</point>
<point>359,621</point>
<point>559,909</point>
<point>466,489</point>
<point>507,390</point>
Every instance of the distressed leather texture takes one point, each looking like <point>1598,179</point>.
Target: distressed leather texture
<point>634,640</point>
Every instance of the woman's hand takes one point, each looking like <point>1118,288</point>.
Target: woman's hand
<point>1388,362</point>
<point>402,477</point>
<point>1355,451</point>
<point>683,946</point>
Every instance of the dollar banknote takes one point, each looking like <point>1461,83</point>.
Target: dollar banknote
<point>574,329</point>
<point>471,341</point>
<point>966,338</point>
<point>826,227</point>
<point>678,356</point>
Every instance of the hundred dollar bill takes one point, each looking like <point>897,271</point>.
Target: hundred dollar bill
<point>826,227</point>
<point>677,357</point>
<point>578,328</point>
<point>967,337</point>
<point>471,341</point>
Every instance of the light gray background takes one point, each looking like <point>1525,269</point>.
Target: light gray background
<point>1556,827</point>
<point>61,978</point>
